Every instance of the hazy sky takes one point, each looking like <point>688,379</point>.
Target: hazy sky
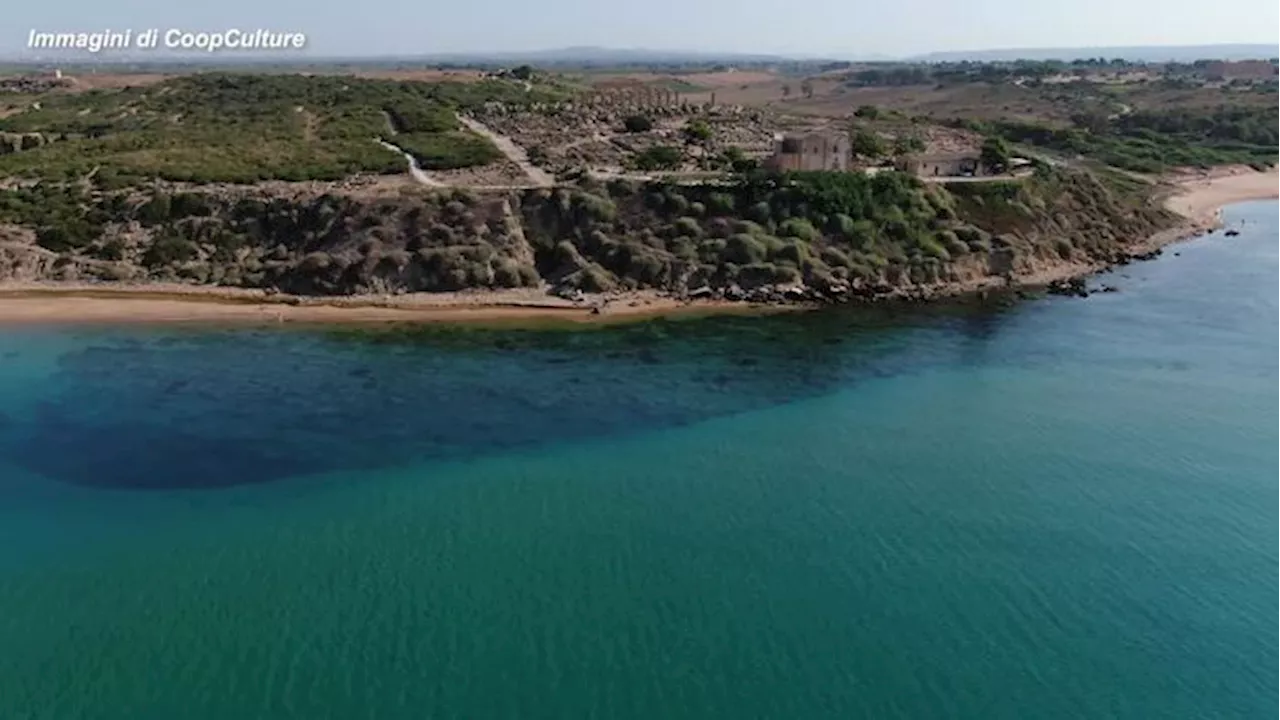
<point>808,27</point>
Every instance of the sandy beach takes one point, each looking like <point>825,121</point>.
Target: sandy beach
<point>62,302</point>
<point>1198,196</point>
<point>1203,196</point>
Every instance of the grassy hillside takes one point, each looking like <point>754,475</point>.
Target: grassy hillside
<point>246,128</point>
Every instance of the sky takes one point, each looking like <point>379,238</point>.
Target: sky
<point>828,28</point>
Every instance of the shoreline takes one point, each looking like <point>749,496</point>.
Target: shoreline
<point>1198,197</point>
<point>51,303</point>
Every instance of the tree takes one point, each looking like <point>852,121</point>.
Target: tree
<point>524,72</point>
<point>637,123</point>
<point>737,161</point>
<point>995,154</point>
<point>806,87</point>
<point>867,144</point>
<point>659,157</point>
<point>786,90</point>
<point>868,112</point>
<point>697,131</point>
<point>907,144</point>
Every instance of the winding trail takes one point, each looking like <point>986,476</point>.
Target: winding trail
<point>514,153</point>
<point>416,172</point>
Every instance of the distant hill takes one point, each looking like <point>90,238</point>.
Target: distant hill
<point>1153,53</point>
<point>603,56</point>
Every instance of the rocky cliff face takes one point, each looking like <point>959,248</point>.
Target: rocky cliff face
<point>738,241</point>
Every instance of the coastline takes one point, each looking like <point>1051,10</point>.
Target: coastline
<point>1198,197</point>
<point>51,303</point>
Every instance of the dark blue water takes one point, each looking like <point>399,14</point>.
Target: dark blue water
<point>1059,510</point>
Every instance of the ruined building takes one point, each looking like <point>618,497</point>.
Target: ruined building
<point>811,151</point>
<point>942,165</point>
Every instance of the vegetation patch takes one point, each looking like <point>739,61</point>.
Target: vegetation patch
<point>220,127</point>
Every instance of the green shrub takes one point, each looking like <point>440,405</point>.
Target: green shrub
<point>595,279</point>
<point>743,249</point>
<point>720,203</point>
<point>688,226</point>
<point>659,157</point>
<point>156,210</point>
<point>771,244</point>
<point>113,249</point>
<point>168,249</point>
<point>416,116</point>
<point>760,212</point>
<point>876,261</point>
<point>637,123</point>
<point>932,248</point>
<point>61,238</point>
<point>712,249</point>
<point>786,275</point>
<point>685,248</point>
<point>798,227</point>
<point>841,224</point>
<point>595,207</point>
<point>506,273</point>
<point>976,240</point>
<point>449,150</point>
<point>186,204</point>
<point>677,204</point>
<point>953,244</point>
<point>835,258</point>
<point>697,131</point>
<point>792,253</point>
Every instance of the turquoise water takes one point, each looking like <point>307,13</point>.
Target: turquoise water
<point>1056,510</point>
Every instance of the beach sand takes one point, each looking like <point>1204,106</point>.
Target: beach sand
<point>1199,197</point>
<point>1202,197</point>
<point>63,302</point>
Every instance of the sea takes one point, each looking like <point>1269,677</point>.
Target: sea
<point>1056,508</point>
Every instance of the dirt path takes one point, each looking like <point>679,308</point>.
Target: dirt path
<point>417,173</point>
<point>309,124</point>
<point>514,152</point>
<point>949,179</point>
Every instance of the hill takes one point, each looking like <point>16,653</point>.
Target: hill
<point>1153,53</point>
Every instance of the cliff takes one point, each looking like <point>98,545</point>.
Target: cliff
<point>834,235</point>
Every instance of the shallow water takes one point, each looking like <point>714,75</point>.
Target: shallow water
<point>1060,509</point>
